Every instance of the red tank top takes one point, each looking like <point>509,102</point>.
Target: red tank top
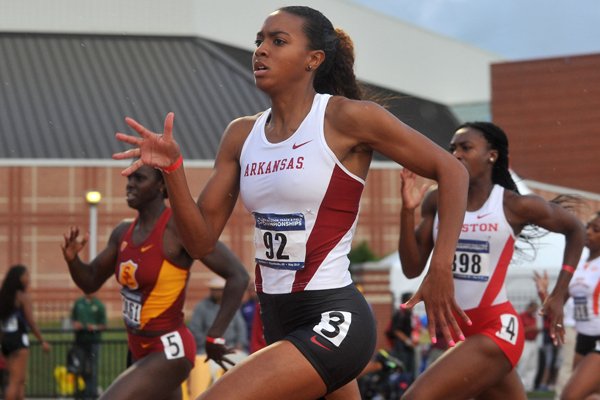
<point>153,289</point>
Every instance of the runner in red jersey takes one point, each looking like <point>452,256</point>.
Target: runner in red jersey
<point>481,365</point>
<point>152,266</point>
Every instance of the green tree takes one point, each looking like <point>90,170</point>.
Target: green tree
<point>361,253</point>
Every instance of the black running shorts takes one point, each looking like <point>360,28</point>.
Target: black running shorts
<point>334,329</point>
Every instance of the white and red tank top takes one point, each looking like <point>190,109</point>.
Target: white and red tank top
<point>483,253</point>
<point>305,205</point>
<point>584,289</point>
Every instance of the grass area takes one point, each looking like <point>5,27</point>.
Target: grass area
<point>540,395</point>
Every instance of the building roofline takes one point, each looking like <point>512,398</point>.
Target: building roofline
<point>35,162</point>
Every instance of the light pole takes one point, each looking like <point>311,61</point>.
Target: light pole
<point>93,197</point>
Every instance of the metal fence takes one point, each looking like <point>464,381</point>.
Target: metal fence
<point>47,375</point>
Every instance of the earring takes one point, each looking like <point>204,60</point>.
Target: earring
<point>309,68</point>
<point>491,159</point>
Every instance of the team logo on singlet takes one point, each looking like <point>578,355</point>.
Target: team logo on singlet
<point>269,167</point>
<point>126,276</point>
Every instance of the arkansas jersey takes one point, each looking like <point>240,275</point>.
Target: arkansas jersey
<point>483,253</point>
<point>153,289</point>
<point>305,205</point>
<point>584,288</point>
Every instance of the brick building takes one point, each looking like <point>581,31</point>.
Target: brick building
<point>61,112</point>
<point>549,110</point>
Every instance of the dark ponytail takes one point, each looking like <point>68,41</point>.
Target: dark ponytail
<point>336,74</point>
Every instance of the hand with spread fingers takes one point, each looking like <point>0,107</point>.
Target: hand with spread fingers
<point>412,195</point>
<point>437,293</point>
<point>217,353</point>
<point>553,307</point>
<point>73,243</point>
<point>152,149</point>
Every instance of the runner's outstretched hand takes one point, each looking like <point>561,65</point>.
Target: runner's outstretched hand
<point>412,195</point>
<point>437,293</point>
<point>73,243</point>
<point>154,149</point>
<point>217,353</point>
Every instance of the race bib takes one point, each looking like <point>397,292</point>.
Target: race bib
<point>334,326</point>
<point>132,307</point>
<point>509,331</point>
<point>472,260</point>
<point>172,345</point>
<point>280,240</point>
<point>580,308</point>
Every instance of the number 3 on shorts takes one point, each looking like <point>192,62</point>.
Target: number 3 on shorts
<point>509,331</point>
<point>334,326</point>
<point>173,345</point>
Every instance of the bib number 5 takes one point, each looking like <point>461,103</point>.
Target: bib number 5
<point>173,345</point>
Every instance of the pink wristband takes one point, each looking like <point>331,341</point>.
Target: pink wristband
<point>568,268</point>
<point>215,340</point>
<point>170,168</point>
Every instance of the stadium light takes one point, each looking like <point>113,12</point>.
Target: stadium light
<point>93,197</point>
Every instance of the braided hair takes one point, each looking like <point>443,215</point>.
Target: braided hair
<point>501,175</point>
<point>336,74</point>
<point>498,141</point>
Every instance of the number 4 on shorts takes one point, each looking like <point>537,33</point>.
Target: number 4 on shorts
<point>509,331</point>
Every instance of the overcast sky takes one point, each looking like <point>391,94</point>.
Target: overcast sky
<point>514,29</point>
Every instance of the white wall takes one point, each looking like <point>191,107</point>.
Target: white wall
<point>389,52</point>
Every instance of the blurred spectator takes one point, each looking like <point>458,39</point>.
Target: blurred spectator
<point>568,349</point>
<point>551,354</point>
<point>400,333</point>
<point>3,374</point>
<point>16,318</point>
<point>88,317</point>
<point>248,310</point>
<point>236,337</point>
<point>257,337</point>
<point>528,364</point>
<point>435,350</point>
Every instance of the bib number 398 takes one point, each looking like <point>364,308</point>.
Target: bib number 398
<point>509,331</point>
<point>173,345</point>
